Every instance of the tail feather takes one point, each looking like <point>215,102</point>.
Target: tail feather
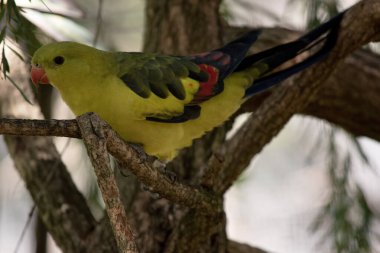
<point>227,58</point>
<point>276,56</point>
<point>238,49</point>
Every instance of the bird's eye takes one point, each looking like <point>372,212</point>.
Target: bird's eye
<point>59,60</point>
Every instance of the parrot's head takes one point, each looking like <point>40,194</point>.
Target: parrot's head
<point>64,63</point>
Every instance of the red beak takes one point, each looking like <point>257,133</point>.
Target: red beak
<point>38,75</point>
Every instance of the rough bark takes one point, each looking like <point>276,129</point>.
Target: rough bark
<point>180,26</point>
<point>350,98</point>
<point>235,247</point>
<point>95,142</point>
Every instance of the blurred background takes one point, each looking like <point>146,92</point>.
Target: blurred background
<point>313,189</point>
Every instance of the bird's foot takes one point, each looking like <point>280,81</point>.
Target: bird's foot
<point>161,167</point>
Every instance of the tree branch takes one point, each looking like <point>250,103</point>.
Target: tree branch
<point>235,247</point>
<point>142,166</point>
<point>94,140</point>
<point>32,127</point>
<point>295,94</point>
<point>351,97</point>
<point>139,163</point>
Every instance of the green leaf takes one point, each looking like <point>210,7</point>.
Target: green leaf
<point>2,34</point>
<point>5,64</point>
<point>2,10</point>
<point>19,89</point>
<point>13,9</point>
<point>16,53</point>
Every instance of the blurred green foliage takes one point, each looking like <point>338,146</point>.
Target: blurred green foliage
<point>347,210</point>
<point>21,32</point>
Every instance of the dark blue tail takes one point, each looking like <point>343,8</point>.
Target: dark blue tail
<point>227,58</point>
<point>276,56</point>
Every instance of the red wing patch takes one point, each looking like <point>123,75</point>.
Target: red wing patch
<point>206,89</point>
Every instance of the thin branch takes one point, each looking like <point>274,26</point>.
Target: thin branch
<point>142,166</point>
<point>138,162</point>
<point>94,139</point>
<point>29,127</point>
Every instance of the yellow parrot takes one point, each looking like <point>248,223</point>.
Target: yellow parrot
<point>164,102</point>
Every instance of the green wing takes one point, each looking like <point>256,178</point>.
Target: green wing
<point>150,73</point>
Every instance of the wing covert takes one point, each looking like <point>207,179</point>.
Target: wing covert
<point>161,75</point>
